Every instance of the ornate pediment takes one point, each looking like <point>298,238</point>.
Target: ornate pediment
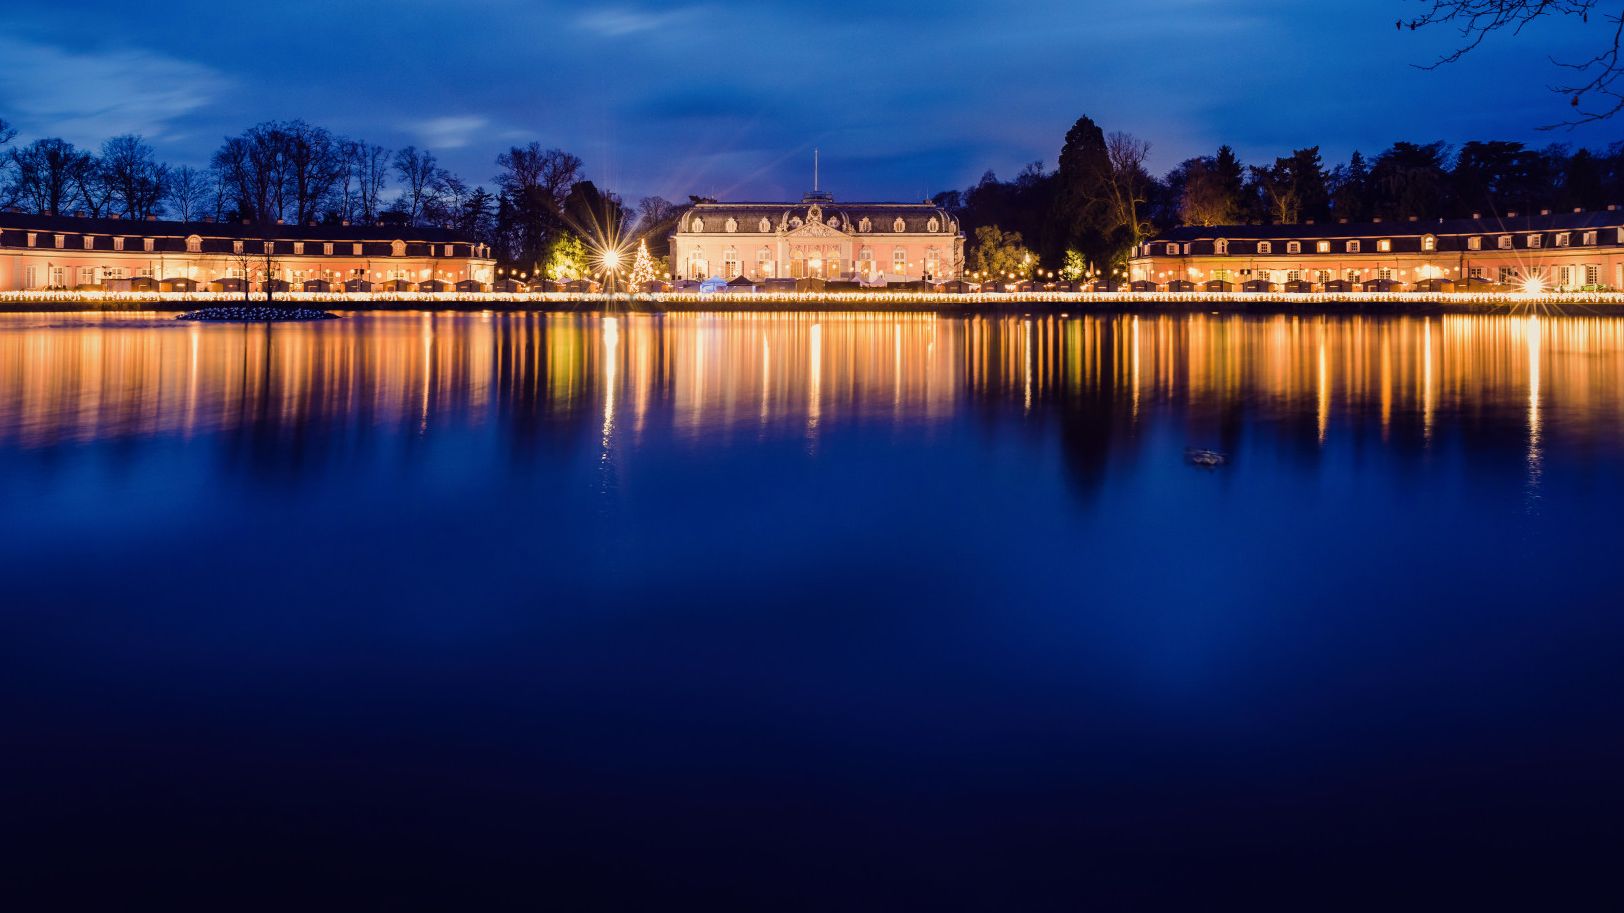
<point>817,230</point>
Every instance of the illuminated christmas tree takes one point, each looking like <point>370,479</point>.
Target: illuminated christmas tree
<point>642,268</point>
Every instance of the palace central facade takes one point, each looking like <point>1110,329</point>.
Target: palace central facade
<point>870,243</point>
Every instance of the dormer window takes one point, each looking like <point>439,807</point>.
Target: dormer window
<point>1590,239</point>
<point>1562,239</point>
<point>1534,240</point>
<point>934,226</point>
<point>327,248</point>
<point>732,225</point>
<point>33,239</point>
<point>1221,246</point>
<point>270,247</point>
<point>236,247</point>
<point>90,243</point>
<point>1294,247</point>
<point>148,244</point>
<point>899,226</point>
<point>1385,245</point>
<point>61,241</point>
<point>355,250</point>
<point>118,244</point>
<point>1265,247</point>
<point>697,225</point>
<point>194,245</point>
<point>298,248</point>
<point>1504,242</point>
<point>1172,250</point>
<point>1474,243</point>
<point>765,226</point>
<point>1322,247</point>
<point>1429,243</point>
<point>867,226</point>
<point>397,248</point>
<point>1353,247</point>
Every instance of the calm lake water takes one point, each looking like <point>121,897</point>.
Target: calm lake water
<point>812,612</point>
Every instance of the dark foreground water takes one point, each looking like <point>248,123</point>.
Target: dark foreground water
<point>811,612</point>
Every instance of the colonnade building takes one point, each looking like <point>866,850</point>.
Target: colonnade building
<point>1569,251</point>
<point>79,253</point>
<point>869,243</point>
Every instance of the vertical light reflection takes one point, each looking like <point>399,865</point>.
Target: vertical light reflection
<point>428,371</point>
<point>1027,360</point>
<point>1536,457</point>
<point>1135,410</point>
<point>611,369</point>
<point>1323,388</point>
<point>814,391</point>
<point>1427,393</point>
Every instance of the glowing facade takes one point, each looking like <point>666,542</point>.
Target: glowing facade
<point>1559,252</point>
<point>74,252</point>
<point>871,243</point>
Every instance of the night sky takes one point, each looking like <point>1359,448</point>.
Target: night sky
<point>729,98</point>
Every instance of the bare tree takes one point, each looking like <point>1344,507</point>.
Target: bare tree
<point>651,211</point>
<point>420,179</point>
<point>47,174</point>
<point>1128,182</point>
<point>532,170</point>
<point>1597,77</point>
<point>135,182</point>
<point>188,192</point>
<point>8,187</point>
<point>313,165</point>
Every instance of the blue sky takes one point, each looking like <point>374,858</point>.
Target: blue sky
<point>729,98</point>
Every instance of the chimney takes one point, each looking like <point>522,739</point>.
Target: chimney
<point>1412,218</point>
<point>1612,207</point>
<point>1477,215</point>
<point>1511,213</point>
<point>1544,212</point>
<point>345,223</point>
<point>1309,222</point>
<point>279,221</point>
<point>246,222</point>
<point>311,223</point>
<point>114,216</point>
<point>152,218</point>
<point>78,213</point>
<point>1342,221</point>
<point>1377,219</point>
<point>208,219</point>
<point>1578,209</point>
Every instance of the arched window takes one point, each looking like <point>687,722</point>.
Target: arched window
<point>899,226</point>
<point>933,262</point>
<point>397,248</point>
<point>831,263</point>
<point>865,261</point>
<point>765,226</point>
<point>1221,247</point>
<point>797,264</point>
<point>731,267</point>
<point>814,264</point>
<point>764,263</point>
<point>732,225</point>
<point>899,261</point>
<point>865,226</point>
<point>1429,244</point>
<point>697,224</point>
<point>933,226</point>
<point>698,266</point>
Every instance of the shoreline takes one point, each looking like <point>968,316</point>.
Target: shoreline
<point>1587,303</point>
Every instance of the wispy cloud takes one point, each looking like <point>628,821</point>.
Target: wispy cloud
<point>86,95</point>
<point>618,22</point>
<point>452,132</point>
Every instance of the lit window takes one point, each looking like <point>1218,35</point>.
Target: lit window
<point>90,243</point>
<point>397,248</point>
<point>327,248</point>
<point>1221,247</point>
<point>270,247</point>
<point>1590,240</point>
<point>933,261</point>
<point>1474,243</point>
<point>60,241</point>
<point>236,247</point>
<point>732,225</point>
<point>1562,239</point>
<point>1294,247</point>
<point>298,248</point>
<point>1429,243</point>
<point>33,239</point>
<point>765,226</point>
<point>1322,247</point>
<point>1384,245</point>
<point>118,244</point>
<point>194,245</point>
<point>355,249</point>
<point>1353,247</point>
<point>697,224</point>
<point>1264,247</point>
<point>1504,242</point>
<point>731,267</point>
<point>1172,250</point>
<point>147,244</point>
<point>1534,240</point>
<point>899,260</point>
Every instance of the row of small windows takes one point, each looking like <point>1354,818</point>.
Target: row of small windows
<point>866,226</point>
<point>1429,244</point>
<point>194,245</point>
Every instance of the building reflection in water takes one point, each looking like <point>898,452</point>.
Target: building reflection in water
<point>711,379</point>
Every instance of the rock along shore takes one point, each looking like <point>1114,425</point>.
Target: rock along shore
<point>256,313</point>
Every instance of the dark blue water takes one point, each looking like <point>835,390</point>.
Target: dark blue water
<point>811,612</point>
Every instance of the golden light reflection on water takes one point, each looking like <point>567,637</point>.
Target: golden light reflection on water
<point>73,378</point>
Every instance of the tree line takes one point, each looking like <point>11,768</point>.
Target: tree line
<point>1101,200</point>
<point>541,215</point>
